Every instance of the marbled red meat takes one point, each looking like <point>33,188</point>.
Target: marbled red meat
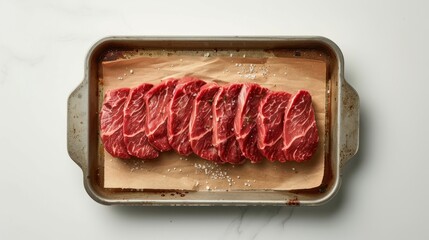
<point>300,134</point>
<point>157,102</point>
<point>201,124</point>
<point>179,114</point>
<point>226,124</point>
<point>270,125</point>
<point>111,122</point>
<point>245,120</point>
<point>135,137</point>
<point>224,112</point>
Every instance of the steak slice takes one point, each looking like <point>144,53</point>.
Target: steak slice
<point>270,125</point>
<point>201,123</point>
<point>300,134</point>
<point>179,114</point>
<point>245,120</point>
<point>135,138</point>
<point>157,101</point>
<point>111,122</point>
<point>224,112</point>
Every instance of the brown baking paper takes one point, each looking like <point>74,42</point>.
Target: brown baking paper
<point>172,171</point>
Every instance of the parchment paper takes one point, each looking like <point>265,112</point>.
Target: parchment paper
<point>172,171</point>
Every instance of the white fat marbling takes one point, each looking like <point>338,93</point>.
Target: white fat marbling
<point>43,45</point>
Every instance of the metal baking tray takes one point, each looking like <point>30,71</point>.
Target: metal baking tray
<point>342,122</point>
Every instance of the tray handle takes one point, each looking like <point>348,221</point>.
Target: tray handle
<point>349,138</point>
<point>77,125</point>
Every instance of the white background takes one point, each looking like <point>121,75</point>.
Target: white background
<point>384,194</point>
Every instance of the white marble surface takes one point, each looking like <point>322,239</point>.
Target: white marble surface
<point>385,189</point>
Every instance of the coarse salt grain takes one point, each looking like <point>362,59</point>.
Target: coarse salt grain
<point>131,71</point>
<point>250,76</point>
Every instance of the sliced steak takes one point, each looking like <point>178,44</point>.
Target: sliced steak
<point>201,123</point>
<point>224,112</point>
<point>179,114</point>
<point>111,122</point>
<point>270,125</point>
<point>135,138</point>
<point>157,101</point>
<point>245,120</point>
<point>300,134</point>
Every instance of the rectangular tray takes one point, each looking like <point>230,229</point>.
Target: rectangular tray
<point>342,122</point>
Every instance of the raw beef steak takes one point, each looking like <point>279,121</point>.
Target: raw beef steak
<point>270,125</point>
<point>201,124</point>
<point>111,122</point>
<point>245,120</point>
<point>157,101</point>
<point>224,111</point>
<point>300,134</point>
<point>134,120</point>
<point>179,114</point>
